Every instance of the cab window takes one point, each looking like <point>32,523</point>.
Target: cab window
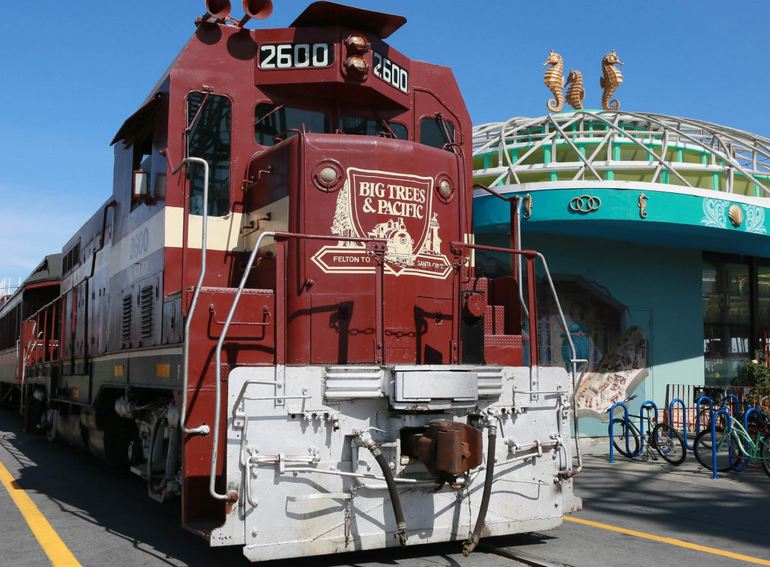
<point>273,121</point>
<point>367,127</point>
<point>436,132</point>
<point>209,120</point>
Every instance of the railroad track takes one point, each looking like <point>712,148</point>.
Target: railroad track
<point>519,557</point>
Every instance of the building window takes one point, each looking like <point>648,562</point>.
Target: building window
<point>209,138</point>
<point>275,122</point>
<point>728,339</point>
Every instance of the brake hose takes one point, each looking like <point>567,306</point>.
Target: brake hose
<point>471,543</point>
<point>395,500</point>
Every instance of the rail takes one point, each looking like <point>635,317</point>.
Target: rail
<point>531,256</point>
<point>514,204</point>
<point>203,429</point>
<point>375,246</point>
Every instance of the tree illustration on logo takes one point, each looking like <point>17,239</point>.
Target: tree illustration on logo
<point>342,225</point>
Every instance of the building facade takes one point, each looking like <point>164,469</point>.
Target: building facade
<point>656,230</point>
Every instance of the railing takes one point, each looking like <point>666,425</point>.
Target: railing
<point>45,340</point>
<point>531,256</point>
<point>375,246</point>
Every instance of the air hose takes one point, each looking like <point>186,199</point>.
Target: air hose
<point>395,500</point>
<point>471,543</point>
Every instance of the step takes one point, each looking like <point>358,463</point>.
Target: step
<point>506,350</point>
<point>494,320</point>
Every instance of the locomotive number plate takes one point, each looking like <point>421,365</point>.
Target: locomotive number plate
<point>295,56</point>
<point>394,75</point>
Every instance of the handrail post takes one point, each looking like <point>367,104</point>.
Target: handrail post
<point>728,430</point>
<point>379,303</point>
<point>612,429</point>
<point>532,299</point>
<point>698,404</point>
<point>281,258</point>
<point>680,402</point>
<point>202,429</point>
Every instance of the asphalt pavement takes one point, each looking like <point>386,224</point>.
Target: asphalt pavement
<point>635,514</point>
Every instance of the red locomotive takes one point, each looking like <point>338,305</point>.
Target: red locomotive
<point>276,314</point>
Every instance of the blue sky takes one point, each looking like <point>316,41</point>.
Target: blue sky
<point>72,72</point>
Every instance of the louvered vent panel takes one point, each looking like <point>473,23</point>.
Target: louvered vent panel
<point>146,303</point>
<point>126,326</point>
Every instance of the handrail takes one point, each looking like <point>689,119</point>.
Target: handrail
<point>612,429</point>
<point>698,404</point>
<point>728,431</point>
<point>679,401</point>
<point>202,429</point>
<point>532,255</point>
<point>379,251</point>
<point>514,204</point>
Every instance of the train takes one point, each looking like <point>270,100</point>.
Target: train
<point>277,317</point>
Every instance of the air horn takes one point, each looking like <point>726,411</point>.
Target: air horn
<point>254,9</point>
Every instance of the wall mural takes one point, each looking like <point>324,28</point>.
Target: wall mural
<point>617,355</point>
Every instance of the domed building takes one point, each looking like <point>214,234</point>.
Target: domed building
<point>655,229</point>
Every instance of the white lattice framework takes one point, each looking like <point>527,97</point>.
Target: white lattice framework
<point>588,145</point>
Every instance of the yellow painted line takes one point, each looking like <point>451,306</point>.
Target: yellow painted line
<point>56,550</point>
<point>670,541</point>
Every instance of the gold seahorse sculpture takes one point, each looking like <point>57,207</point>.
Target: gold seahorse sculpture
<point>554,80</point>
<point>575,91</point>
<point>611,79</point>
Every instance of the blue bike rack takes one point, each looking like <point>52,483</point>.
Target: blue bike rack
<point>680,402</point>
<point>646,405</point>
<point>723,411</point>
<point>736,401</point>
<point>698,403</point>
<point>612,428</point>
<point>746,415</point>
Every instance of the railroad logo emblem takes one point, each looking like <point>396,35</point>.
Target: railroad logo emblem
<point>395,207</point>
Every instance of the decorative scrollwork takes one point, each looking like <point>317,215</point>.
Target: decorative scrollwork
<point>714,213</point>
<point>585,204</point>
<point>755,220</point>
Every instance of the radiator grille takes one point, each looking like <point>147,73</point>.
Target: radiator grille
<point>146,304</point>
<point>126,325</point>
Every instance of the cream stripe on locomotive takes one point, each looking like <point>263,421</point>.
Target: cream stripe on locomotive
<point>165,230</point>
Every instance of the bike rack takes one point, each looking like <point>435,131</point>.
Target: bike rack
<point>723,411</point>
<point>612,429</point>
<point>646,405</point>
<point>698,403</point>
<point>736,404</point>
<point>680,402</point>
<point>753,409</point>
<point>749,411</point>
